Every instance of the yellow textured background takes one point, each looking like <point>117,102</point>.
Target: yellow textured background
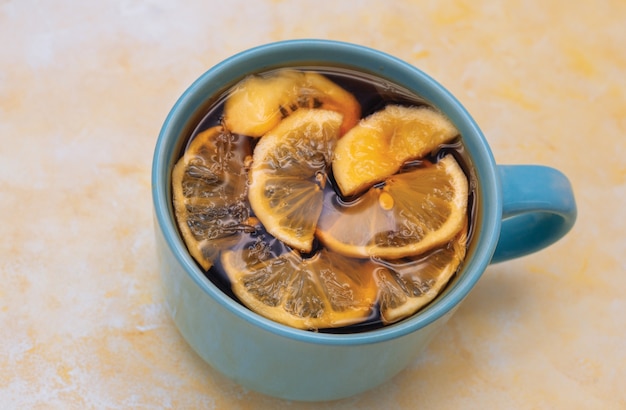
<point>84,89</point>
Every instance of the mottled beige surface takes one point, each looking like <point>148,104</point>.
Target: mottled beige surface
<point>84,89</point>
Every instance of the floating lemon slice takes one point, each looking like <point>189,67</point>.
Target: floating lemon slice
<point>288,173</point>
<point>260,102</point>
<point>209,191</point>
<point>380,144</point>
<point>323,291</point>
<point>407,285</point>
<point>412,213</point>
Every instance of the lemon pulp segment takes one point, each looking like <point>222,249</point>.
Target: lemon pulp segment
<point>209,192</point>
<point>412,213</point>
<point>260,102</point>
<point>288,173</point>
<point>407,285</point>
<point>380,144</point>
<point>323,291</point>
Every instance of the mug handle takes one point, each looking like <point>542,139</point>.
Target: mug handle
<point>538,209</point>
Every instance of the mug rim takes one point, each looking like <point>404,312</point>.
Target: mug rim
<point>298,51</point>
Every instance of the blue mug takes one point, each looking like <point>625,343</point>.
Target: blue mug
<point>522,209</point>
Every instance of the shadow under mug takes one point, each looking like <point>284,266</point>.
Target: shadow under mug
<point>522,209</point>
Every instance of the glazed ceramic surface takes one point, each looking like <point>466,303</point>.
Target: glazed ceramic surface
<point>273,359</point>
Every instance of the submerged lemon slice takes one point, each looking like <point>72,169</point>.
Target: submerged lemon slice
<point>407,285</point>
<point>260,102</point>
<point>288,173</point>
<point>380,144</point>
<point>209,191</point>
<point>320,292</point>
<point>412,213</point>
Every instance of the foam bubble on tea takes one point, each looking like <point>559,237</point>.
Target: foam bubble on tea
<point>325,199</point>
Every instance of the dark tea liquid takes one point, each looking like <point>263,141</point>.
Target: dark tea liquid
<point>373,94</point>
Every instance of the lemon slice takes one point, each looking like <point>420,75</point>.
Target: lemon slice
<point>209,192</point>
<point>323,291</point>
<point>260,102</point>
<point>288,173</point>
<point>380,144</point>
<point>412,213</point>
<point>405,286</point>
